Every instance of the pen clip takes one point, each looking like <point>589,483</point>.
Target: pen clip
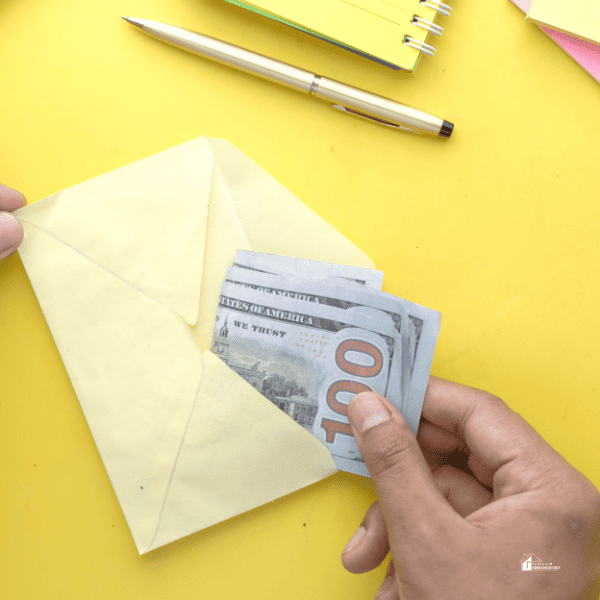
<point>350,111</point>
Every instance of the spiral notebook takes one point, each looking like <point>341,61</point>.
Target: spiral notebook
<point>392,32</point>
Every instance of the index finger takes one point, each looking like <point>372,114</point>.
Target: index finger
<point>494,434</point>
<point>10,199</point>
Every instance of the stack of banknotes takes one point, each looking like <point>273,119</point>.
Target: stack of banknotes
<point>310,335</point>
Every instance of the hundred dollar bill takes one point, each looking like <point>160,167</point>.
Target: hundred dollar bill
<point>370,302</point>
<point>426,324</point>
<point>313,269</point>
<point>308,359</point>
<point>424,329</point>
<point>398,318</point>
<point>358,316</point>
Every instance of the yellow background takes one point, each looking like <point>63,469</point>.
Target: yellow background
<point>496,227</point>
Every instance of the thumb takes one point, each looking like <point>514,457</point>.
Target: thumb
<point>412,504</point>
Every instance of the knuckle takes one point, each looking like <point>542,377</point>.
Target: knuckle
<point>577,504</point>
<point>444,472</point>
<point>493,400</point>
<point>445,478</point>
<point>588,504</point>
<point>484,403</point>
<point>393,453</point>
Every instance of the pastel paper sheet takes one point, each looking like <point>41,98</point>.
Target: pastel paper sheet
<point>127,268</point>
<point>583,52</point>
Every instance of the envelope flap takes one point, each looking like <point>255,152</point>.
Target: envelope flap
<point>144,222</point>
<point>249,210</point>
<point>241,451</point>
<point>133,364</point>
<point>275,221</point>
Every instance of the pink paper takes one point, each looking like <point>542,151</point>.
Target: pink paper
<point>584,52</point>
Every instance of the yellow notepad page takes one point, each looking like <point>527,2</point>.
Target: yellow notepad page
<point>578,17</point>
<point>376,27</point>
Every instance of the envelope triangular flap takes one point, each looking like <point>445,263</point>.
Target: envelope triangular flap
<point>240,452</point>
<point>250,210</point>
<point>134,366</point>
<point>144,222</point>
<point>274,220</point>
<point>225,234</point>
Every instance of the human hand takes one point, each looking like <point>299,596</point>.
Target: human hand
<point>462,533</point>
<point>11,231</point>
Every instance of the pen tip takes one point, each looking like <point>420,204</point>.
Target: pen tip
<point>137,22</point>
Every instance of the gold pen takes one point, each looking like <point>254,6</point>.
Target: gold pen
<point>343,97</point>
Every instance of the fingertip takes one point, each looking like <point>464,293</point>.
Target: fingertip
<point>19,200</point>
<point>365,557</point>
<point>11,234</point>
<point>355,539</point>
<point>348,555</point>
<point>368,546</point>
<point>11,199</point>
<point>367,410</point>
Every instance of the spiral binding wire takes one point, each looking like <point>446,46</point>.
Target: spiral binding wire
<point>418,45</point>
<point>442,8</point>
<point>430,26</point>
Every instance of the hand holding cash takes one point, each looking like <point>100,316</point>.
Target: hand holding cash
<point>310,335</point>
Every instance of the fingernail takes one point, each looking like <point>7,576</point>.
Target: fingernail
<point>355,539</point>
<point>11,231</point>
<point>366,411</point>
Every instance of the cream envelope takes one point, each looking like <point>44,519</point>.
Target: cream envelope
<point>122,266</point>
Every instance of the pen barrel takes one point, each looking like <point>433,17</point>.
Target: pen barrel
<point>233,56</point>
<point>342,96</point>
<point>377,107</point>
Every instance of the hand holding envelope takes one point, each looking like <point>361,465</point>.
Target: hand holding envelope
<point>122,266</point>
<point>11,232</point>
